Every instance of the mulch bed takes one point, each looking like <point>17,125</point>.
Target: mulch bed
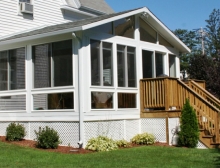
<point>62,149</point>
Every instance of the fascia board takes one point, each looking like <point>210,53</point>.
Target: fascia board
<point>158,23</point>
<point>162,28</point>
<point>38,36</point>
<point>85,27</point>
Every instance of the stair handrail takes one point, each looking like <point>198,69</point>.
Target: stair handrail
<point>214,118</point>
<point>208,96</point>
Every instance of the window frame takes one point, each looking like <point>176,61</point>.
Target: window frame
<point>101,65</point>
<point>125,63</point>
<point>9,69</point>
<point>51,62</point>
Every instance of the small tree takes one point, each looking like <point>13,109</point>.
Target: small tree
<point>189,128</point>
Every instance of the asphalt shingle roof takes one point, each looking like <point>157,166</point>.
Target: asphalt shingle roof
<point>64,26</point>
<point>99,5</point>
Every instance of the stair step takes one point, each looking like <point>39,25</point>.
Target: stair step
<point>215,143</point>
<point>207,136</point>
<point>201,129</point>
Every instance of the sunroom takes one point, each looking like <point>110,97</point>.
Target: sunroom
<point>85,71</point>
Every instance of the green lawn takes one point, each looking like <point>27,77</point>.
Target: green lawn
<point>148,156</point>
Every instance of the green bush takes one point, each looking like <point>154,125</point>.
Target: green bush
<point>143,139</point>
<point>101,143</point>
<point>189,128</point>
<point>47,138</point>
<point>123,143</point>
<point>15,132</point>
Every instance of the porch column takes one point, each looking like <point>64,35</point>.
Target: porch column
<point>29,78</point>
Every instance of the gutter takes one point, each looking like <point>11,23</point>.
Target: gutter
<point>81,116</point>
<point>38,36</point>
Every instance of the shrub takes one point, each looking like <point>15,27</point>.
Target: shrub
<point>143,139</point>
<point>123,143</point>
<point>189,128</point>
<point>15,132</point>
<point>101,143</point>
<point>47,138</point>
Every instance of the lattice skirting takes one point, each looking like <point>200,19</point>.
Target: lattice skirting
<point>117,129</point>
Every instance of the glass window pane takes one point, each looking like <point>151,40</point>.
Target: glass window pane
<point>3,71</point>
<point>147,33</point>
<point>147,64</point>
<point>102,100</point>
<point>42,66</point>
<point>121,65</point>
<point>95,62</point>
<point>125,27</point>
<point>131,66</point>
<point>172,66</point>
<point>159,64</point>
<point>105,28</point>
<point>53,101</point>
<point>107,64</point>
<point>126,100</point>
<point>17,68</point>
<point>62,59</point>
<point>164,42</point>
<point>15,102</point>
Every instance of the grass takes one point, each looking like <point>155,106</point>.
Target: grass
<point>147,156</point>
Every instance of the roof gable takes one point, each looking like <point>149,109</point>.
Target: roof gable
<point>96,21</point>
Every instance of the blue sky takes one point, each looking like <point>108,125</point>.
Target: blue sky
<point>183,14</point>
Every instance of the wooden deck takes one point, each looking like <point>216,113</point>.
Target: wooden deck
<point>165,97</point>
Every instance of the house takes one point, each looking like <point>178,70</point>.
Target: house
<point>75,65</point>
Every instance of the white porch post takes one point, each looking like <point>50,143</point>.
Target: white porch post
<point>29,78</point>
<point>79,85</point>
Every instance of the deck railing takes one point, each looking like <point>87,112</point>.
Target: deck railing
<point>170,94</point>
<point>204,93</point>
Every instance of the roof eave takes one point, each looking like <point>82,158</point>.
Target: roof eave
<point>156,23</point>
<point>38,36</point>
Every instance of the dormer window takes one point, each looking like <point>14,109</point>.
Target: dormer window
<point>26,6</point>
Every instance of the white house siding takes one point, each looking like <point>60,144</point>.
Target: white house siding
<point>46,12</point>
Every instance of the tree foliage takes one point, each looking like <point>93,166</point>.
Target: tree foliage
<point>213,33</point>
<point>189,128</point>
<point>190,40</point>
<point>198,66</point>
<point>206,68</point>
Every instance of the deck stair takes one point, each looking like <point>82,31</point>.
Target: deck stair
<point>165,97</point>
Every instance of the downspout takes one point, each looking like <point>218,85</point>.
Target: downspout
<point>81,131</point>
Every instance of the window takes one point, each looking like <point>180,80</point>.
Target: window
<point>172,66</point>
<point>105,28</point>
<point>12,69</point>
<point>159,64</point>
<point>164,42</point>
<point>147,33</point>
<point>102,100</point>
<point>126,100</point>
<point>126,61</point>
<point>14,102</point>
<point>53,64</point>
<point>147,64</point>
<point>101,63</point>
<point>53,101</point>
<point>125,27</point>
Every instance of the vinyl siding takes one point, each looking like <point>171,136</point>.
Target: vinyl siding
<point>46,12</point>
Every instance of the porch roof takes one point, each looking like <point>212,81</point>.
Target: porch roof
<point>93,22</point>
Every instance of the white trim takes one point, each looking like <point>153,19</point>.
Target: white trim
<point>38,36</point>
<point>28,78</point>
<point>65,7</point>
<point>159,25</point>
